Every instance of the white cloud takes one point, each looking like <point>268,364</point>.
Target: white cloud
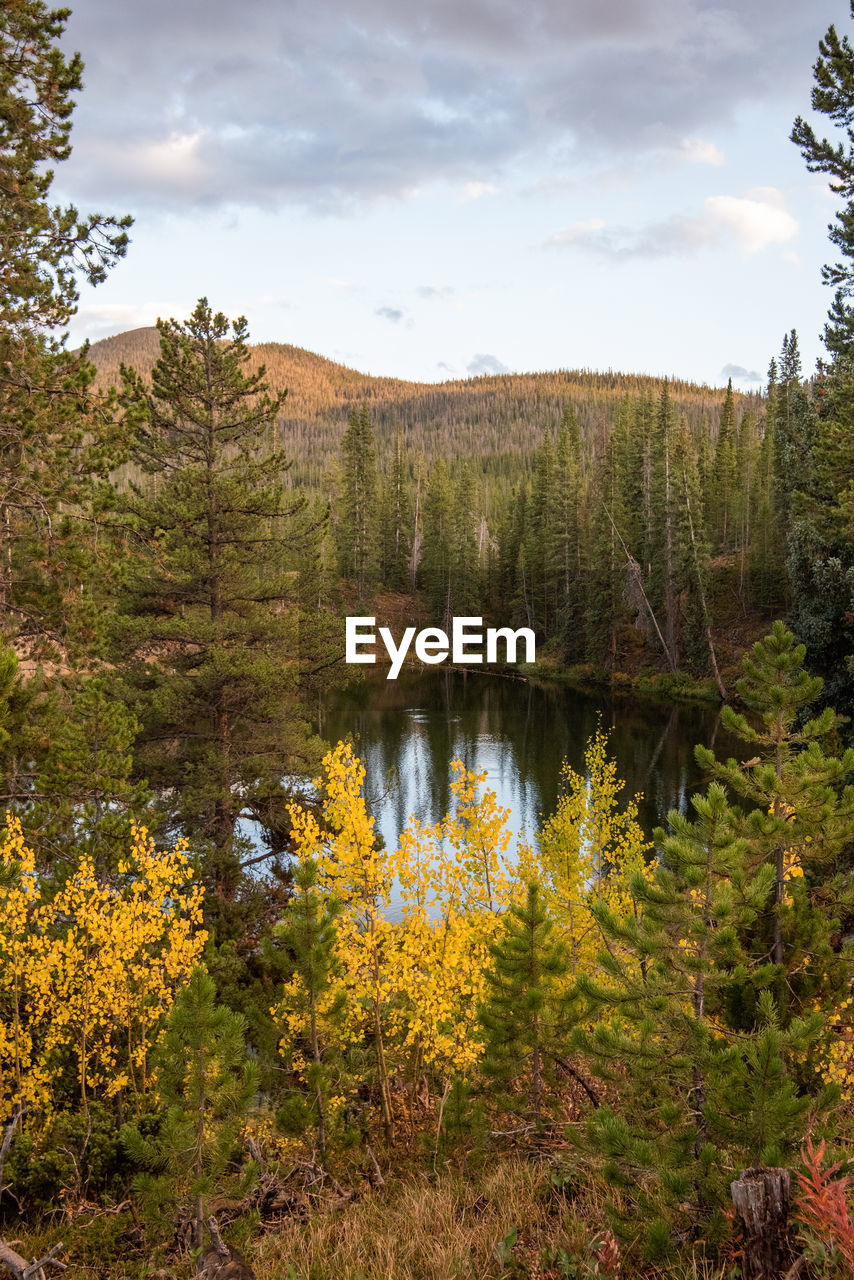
<point>174,161</point>
<point>102,320</point>
<point>474,190</point>
<point>756,220</point>
<point>701,151</point>
<point>576,232</point>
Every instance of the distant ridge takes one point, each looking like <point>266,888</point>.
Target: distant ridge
<point>492,416</point>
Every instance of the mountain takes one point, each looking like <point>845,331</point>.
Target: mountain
<point>499,419</point>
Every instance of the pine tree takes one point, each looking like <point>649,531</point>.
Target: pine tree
<point>693,560</point>
<point>86,798</point>
<point>802,820</point>
<point>58,435</point>
<point>524,1015</point>
<point>833,95</point>
<point>213,634</point>
<point>396,521</point>
<point>569,558</point>
<point>307,931</point>
<point>358,516</point>
<point>436,570</point>
<point>694,1098</point>
<point>205,1086</point>
<point>661,536</point>
<point>43,246</point>
<point>608,561</point>
<point>541,538</point>
<point>724,480</point>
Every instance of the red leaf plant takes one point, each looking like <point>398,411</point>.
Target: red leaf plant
<point>822,1204</point>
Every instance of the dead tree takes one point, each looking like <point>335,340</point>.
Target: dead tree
<point>761,1199</point>
<point>219,1262</point>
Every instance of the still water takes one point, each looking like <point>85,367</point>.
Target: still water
<point>407,732</point>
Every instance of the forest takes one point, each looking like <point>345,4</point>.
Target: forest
<point>593,1050</point>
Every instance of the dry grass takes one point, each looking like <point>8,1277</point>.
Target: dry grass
<point>417,1230</point>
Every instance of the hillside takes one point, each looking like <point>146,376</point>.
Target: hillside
<point>496,418</point>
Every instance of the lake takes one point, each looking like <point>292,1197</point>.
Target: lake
<point>407,732</point>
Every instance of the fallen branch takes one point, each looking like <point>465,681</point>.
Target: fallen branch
<point>23,1270</point>
<point>378,1177</point>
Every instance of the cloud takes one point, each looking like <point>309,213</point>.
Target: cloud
<point>701,151</point>
<point>484,363</point>
<point>755,221</point>
<point>103,320</point>
<point>431,291</point>
<point>390,313</point>
<point>738,373</point>
<point>474,190</point>
<point>206,103</point>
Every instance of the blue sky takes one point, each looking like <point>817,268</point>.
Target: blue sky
<point>461,186</point>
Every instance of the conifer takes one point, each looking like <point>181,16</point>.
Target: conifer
<point>695,1099</point>
<point>358,516</point>
<point>206,1086</point>
<point>218,635</point>
<point>524,1015</point>
<point>307,932</point>
<point>803,816</point>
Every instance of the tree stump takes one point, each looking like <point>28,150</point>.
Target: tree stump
<point>761,1199</point>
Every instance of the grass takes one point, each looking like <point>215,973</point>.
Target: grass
<point>504,1221</point>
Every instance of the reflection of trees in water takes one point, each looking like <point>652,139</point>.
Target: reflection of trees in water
<point>521,733</point>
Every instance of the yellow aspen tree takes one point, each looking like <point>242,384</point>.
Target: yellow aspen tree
<point>589,849</point>
<point>90,972</point>
<point>359,874</point>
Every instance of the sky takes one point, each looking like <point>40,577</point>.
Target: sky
<point>461,187</point>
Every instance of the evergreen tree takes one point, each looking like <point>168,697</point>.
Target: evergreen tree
<point>802,820</point>
<point>307,932</point>
<point>86,798</point>
<point>542,539</point>
<point>661,549</point>
<point>725,480</point>
<point>767,560</point>
<point>396,521</point>
<point>358,515</point>
<point>693,560</point>
<point>213,632</point>
<point>43,246</point>
<point>833,95</point>
<point>57,434</point>
<point>524,1016</point>
<point>606,573</point>
<point>569,558</point>
<point>205,1086</point>
<point>695,1099</point>
<point>436,571</point>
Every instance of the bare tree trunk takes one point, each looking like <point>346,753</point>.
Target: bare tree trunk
<point>761,1199</point>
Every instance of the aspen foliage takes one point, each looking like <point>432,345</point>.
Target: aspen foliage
<point>411,986</point>
<point>589,851</point>
<point>457,880</point>
<point>87,974</point>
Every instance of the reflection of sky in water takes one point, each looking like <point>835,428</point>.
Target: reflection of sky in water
<point>410,791</point>
<point>408,731</point>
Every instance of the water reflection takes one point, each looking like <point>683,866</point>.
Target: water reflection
<point>407,732</point>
